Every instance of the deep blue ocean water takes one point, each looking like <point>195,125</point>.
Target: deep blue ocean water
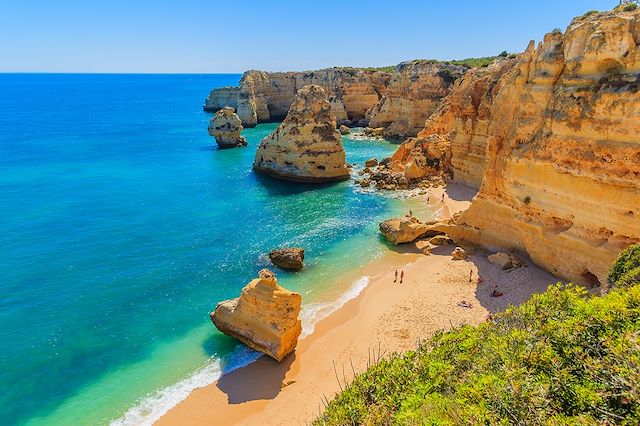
<point>121,228</point>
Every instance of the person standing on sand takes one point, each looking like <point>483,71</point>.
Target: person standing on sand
<point>427,199</point>
<point>443,197</point>
<point>401,276</point>
<point>470,275</point>
<point>396,278</point>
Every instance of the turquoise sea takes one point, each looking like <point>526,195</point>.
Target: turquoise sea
<point>121,228</point>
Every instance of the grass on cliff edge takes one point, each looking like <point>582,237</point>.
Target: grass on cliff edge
<point>560,358</point>
<point>467,63</point>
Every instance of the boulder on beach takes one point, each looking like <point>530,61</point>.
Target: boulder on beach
<point>505,260</point>
<point>225,126</point>
<point>371,162</point>
<point>403,230</point>
<point>440,240</point>
<point>459,254</point>
<point>306,147</point>
<point>288,258</point>
<point>264,317</point>
<point>344,130</point>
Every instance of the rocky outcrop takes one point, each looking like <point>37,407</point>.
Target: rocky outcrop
<point>403,230</point>
<point>561,178</point>
<point>267,96</point>
<point>288,258</point>
<point>504,260</point>
<point>225,126</point>
<point>460,125</point>
<point>306,147</point>
<point>413,94</point>
<point>264,317</point>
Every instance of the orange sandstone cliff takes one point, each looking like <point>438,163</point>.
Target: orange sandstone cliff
<point>554,139</point>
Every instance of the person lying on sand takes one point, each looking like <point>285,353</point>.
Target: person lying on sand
<point>465,304</point>
<point>495,292</point>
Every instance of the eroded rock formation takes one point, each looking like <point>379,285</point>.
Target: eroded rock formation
<point>306,147</point>
<point>225,126</point>
<point>267,96</point>
<point>264,317</point>
<point>561,131</point>
<point>413,94</point>
<point>403,230</point>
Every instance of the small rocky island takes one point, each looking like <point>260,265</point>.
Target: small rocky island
<point>306,147</point>
<point>225,126</point>
<point>264,317</point>
<point>291,259</point>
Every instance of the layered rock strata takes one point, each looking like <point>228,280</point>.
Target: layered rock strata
<point>561,178</point>
<point>413,94</point>
<point>225,126</point>
<point>264,317</point>
<point>266,97</point>
<point>306,147</point>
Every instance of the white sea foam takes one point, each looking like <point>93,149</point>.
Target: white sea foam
<point>150,408</point>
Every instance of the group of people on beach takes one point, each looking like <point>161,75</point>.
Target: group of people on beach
<point>429,197</point>
<point>401,276</point>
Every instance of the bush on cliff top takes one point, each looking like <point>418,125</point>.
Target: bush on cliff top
<point>560,358</point>
<point>625,271</point>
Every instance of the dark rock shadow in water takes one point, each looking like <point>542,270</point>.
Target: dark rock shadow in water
<point>278,187</point>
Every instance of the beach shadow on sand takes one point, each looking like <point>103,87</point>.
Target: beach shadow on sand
<point>261,379</point>
<point>460,192</point>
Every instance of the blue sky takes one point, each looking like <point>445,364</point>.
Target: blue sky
<point>235,35</point>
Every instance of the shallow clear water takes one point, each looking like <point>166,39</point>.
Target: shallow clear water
<point>121,228</point>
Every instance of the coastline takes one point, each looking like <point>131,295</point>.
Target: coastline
<point>384,317</point>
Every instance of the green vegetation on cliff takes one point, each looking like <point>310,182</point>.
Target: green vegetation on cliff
<point>563,357</point>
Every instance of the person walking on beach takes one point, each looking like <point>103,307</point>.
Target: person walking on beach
<point>396,278</point>
<point>443,197</point>
<point>470,275</point>
<point>401,276</point>
<point>410,213</point>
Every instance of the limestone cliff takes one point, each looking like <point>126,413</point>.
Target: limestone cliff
<point>561,130</point>
<point>306,147</point>
<point>225,126</point>
<point>264,317</point>
<point>267,96</point>
<point>412,95</point>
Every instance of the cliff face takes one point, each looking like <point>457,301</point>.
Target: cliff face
<point>306,147</point>
<point>412,95</point>
<point>462,120</point>
<point>266,97</point>
<point>562,132</point>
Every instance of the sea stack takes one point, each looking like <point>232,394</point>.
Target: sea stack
<point>225,126</point>
<point>264,317</point>
<point>306,147</point>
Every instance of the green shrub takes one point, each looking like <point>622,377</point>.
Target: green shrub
<point>561,358</point>
<point>625,271</point>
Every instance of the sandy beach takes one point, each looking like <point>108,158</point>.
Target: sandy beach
<point>386,317</point>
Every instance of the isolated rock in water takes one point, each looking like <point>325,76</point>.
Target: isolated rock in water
<point>459,254</point>
<point>225,126</point>
<point>264,317</point>
<point>403,230</point>
<point>344,130</point>
<point>288,258</point>
<point>505,260</point>
<point>376,132</point>
<point>440,240</point>
<point>306,147</point>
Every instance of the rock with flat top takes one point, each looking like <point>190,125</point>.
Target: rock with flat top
<point>288,258</point>
<point>403,230</point>
<point>264,317</point>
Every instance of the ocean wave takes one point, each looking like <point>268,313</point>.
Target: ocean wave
<point>150,408</point>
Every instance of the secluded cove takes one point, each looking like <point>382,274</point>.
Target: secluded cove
<point>123,231</point>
